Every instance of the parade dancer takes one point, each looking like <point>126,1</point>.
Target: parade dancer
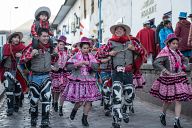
<point>82,88</point>
<point>11,54</point>
<point>42,16</point>
<point>59,74</point>
<point>172,84</point>
<point>122,53</point>
<point>104,79</point>
<point>40,83</point>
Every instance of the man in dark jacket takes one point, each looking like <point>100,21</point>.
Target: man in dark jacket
<point>159,27</point>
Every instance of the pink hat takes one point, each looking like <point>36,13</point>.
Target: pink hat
<point>171,36</point>
<point>84,39</point>
<point>62,39</point>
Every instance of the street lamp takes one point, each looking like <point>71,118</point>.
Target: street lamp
<point>100,30</point>
<point>10,20</point>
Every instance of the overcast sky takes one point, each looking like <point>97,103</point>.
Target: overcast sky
<point>12,18</point>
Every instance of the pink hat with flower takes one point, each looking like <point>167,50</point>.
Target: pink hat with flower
<point>170,37</point>
<point>84,40</point>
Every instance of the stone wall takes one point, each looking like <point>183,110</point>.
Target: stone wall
<point>150,75</point>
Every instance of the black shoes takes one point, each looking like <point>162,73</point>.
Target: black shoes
<point>16,108</point>
<point>56,106</point>
<point>131,109</point>
<point>9,112</point>
<point>73,113</point>
<point>84,120</point>
<point>102,102</point>
<point>60,111</point>
<point>116,125</point>
<point>33,122</point>
<point>126,117</point>
<point>162,119</point>
<point>177,124</point>
<point>107,112</point>
<point>45,123</point>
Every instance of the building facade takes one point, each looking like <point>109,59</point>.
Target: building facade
<point>82,16</point>
<point>3,39</point>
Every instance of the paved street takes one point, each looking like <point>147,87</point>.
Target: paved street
<point>146,116</point>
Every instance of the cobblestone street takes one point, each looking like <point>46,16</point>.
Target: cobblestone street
<point>146,116</point>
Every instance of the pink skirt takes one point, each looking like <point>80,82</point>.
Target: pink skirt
<point>59,81</point>
<point>81,91</point>
<point>138,81</point>
<point>171,89</point>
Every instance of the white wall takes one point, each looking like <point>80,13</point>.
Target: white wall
<point>128,10</point>
<point>67,21</point>
<point>114,10</point>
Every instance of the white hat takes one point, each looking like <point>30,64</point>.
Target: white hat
<point>146,22</point>
<point>126,27</point>
<point>42,9</point>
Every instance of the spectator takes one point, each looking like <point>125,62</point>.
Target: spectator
<point>166,30</point>
<point>159,27</point>
<point>147,38</point>
<point>182,32</point>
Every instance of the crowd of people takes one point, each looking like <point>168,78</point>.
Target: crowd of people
<point>110,73</point>
<point>153,38</point>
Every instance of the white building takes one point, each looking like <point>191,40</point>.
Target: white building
<point>3,39</point>
<point>131,12</point>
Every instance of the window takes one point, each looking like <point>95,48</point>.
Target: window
<point>92,6</point>
<point>84,2</point>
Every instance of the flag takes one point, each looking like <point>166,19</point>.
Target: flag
<point>81,28</point>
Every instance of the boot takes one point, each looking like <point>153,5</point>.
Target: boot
<point>84,120</point>
<point>45,120</point>
<point>21,100</point>
<point>9,112</point>
<point>34,115</point>
<point>101,104</point>
<point>45,116</point>
<point>60,111</point>
<point>177,124</point>
<point>116,125</point>
<point>56,106</point>
<point>73,113</point>
<point>107,109</point>
<point>17,102</point>
<point>33,121</point>
<point>10,105</point>
<point>162,119</point>
<point>45,123</point>
<point>131,109</point>
<point>116,119</point>
<point>125,114</point>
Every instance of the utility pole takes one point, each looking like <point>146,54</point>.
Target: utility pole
<point>100,30</point>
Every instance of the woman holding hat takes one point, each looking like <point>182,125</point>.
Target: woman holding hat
<point>59,73</point>
<point>82,88</point>
<point>11,54</point>
<point>172,84</point>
